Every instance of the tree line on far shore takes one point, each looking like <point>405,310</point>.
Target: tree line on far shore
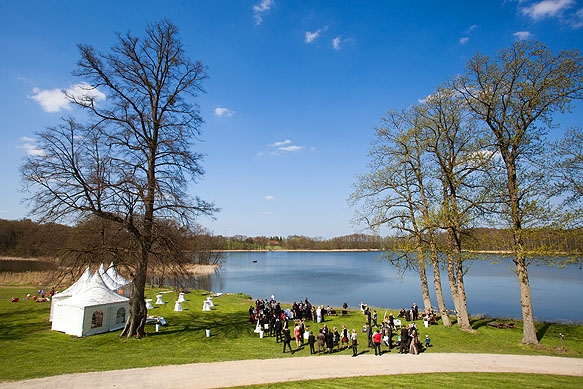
<point>26,238</point>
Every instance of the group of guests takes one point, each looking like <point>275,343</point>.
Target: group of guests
<point>407,340</point>
<point>302,310</point>
<point>413,314</point>
<point>325,341</point>
<point>290,324</point>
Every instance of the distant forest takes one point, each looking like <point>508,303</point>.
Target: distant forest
<point>26,238</point>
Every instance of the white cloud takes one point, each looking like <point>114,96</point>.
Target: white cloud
<point>472,28</point>
<point>546,8</point>
<point>310,36</point>
<point>577,19</point>
<point>260,9</point>
<point>281,143</point>
<point>269,197</point>
<point>223,112</point>
<point>55,100</point>
<point>465,39</point>
<point>280,147</point>
<point>290,148</point>
<point>338,42</point>
<point>522,35</point>
<point>30,148</point>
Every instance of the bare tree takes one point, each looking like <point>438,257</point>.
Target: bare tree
<point>393,193</point>
<point>132,162</point>
<point>458,155</point>
<point>514,94</point>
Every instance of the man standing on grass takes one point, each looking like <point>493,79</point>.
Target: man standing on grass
<point>321,341</point>
<point>404,345</point>
<point>377,342</point>
<point>311,341</point>
<point>278,326</point>
<point>354,343</point>
<point>287,340</point>
<point>368,330</point>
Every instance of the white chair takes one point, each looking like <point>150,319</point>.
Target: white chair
<point>206,306</point>
<point>178,306</point>
<point>149,304</point>
<point>159,299</point>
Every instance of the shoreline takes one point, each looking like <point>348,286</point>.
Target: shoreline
<point>499,252</point>
<point>206,270</point>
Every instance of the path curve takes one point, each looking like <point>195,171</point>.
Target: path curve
<point>261,371</point>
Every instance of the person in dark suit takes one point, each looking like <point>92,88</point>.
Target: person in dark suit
<point>415,310</point>
<point>368,330</point>
<point>277,328</point>
<point>287,340</point>
<point>330,341</point>
<point>404,345</point>
<point>311,341</point>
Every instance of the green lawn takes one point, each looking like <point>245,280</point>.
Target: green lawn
<point>29,349</point>
<point>437,380</point>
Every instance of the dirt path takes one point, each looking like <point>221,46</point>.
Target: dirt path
<point>234,373</point>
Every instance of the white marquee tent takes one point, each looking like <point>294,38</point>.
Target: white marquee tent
<point>115,281</point>
<point>93,309</point>
<point>77,287</point>
<point>112,272</point>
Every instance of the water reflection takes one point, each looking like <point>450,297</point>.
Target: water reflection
<point>335,277</point>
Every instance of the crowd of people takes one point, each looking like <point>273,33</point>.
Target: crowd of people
<point>291,324</point>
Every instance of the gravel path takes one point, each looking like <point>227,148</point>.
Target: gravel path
<point>234,373</point>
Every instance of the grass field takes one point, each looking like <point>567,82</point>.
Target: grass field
<point>437,380</point>
<point>29,349</point>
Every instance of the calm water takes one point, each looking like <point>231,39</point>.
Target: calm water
<point>335,277</point>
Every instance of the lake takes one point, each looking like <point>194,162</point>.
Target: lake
<point>337,277</point>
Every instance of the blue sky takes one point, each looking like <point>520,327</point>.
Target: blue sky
<point>295,87</point>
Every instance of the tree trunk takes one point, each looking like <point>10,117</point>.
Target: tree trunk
<point>529,329</point>
<point>456,281</point>
<point>452,284</point>
<point>463,316</point>
<point>529,335</point>
<point>455,243</point>
<point>423,278</point>
<point>437,282</point>
<point>138,312</point>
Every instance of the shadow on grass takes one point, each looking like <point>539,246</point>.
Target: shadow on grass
<point>480,322</point>
<point>18,323</point>
<point>222,324</point>
<point>541,332</point>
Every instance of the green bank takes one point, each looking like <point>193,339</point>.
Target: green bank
<point>30,349</point>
